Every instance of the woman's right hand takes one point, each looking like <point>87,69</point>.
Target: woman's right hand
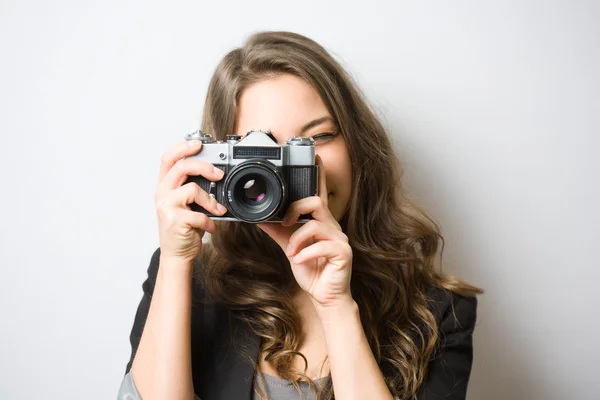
<point>181,229</point>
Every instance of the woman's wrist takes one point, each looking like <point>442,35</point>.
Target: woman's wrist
<point>339,312</point>
<point>173,265</point>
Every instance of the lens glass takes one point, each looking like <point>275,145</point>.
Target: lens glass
<point>255,190</point>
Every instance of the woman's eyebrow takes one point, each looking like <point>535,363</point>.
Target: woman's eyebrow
<point>315,122</point>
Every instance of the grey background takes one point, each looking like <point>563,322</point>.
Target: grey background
<point>494,108</point>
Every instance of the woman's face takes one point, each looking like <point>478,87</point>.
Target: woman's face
<point>288,107</point>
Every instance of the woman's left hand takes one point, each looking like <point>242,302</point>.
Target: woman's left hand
<point>319,253</point>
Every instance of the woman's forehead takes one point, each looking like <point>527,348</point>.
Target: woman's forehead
<point>283,105</point>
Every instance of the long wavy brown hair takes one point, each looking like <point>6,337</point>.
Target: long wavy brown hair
<point>394,242</point>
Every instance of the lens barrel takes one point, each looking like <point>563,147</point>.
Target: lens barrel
<point>254,190</point>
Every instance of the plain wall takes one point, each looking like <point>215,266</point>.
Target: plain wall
<point>493,107</point>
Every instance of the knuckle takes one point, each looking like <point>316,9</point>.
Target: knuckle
<point>204,218</point>
<point>190,187</point>
<point>180,165</point>
<point>161,205</point>
<point>182,193</point>
<point>346,248</point>
<point>203,221</point>
<point>165,213</point>
<point>313,224</point>
<point>205,165</point>
<point>171,217</point>
<point>158,199</point>
<point>201,195</point>
<point>202,166</point>
<point>349,252</point>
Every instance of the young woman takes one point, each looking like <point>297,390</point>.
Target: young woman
<point>350,304</point>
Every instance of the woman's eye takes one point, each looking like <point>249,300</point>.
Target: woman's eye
<point>324,136</point>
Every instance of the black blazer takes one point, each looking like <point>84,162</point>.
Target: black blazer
<point>219,373</point>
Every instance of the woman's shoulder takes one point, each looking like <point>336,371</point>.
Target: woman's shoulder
<point>453,312</point>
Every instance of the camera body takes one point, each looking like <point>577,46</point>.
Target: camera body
<point>261,177</point>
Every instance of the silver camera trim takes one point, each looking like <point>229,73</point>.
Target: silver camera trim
<point>298,151</point>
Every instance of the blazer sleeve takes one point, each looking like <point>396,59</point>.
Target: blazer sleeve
<point>128,391</point>
<point>142,311</point>
<point>450,368</point>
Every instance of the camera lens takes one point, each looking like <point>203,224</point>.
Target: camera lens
<point>254,190</point>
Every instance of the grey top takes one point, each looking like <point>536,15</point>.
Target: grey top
<point>277,389</point>
<point>282,389</point>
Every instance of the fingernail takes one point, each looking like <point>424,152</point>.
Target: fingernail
<point>194,143</point>
<point>221,208</point>
<point>219,172</point>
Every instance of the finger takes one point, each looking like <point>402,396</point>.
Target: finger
<point>332,250</point>
<point>278,233</point>
<point>188,167</point>
<point>322,180</point>
<point>197,220</point>
<point>311,232</point>
<point>314,206</point>
<point>192,193</point>
<point>180,150</point>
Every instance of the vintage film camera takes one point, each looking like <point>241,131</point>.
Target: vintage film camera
<point>261,178</point>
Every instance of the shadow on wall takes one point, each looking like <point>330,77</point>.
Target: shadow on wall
<point>504,367</point>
